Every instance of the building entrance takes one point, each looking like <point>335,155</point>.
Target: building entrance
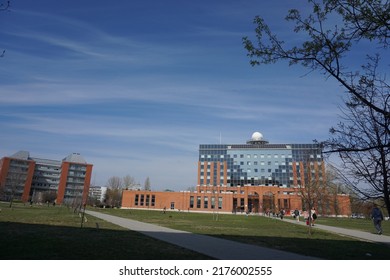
<point>269,203</point>
<point>254,203</point>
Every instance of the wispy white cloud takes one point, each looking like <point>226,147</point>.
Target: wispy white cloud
<point>140,103</point>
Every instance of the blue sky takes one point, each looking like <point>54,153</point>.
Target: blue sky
<point>136,86</point>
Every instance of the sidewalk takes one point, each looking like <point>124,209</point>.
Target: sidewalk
<point>361,235</point>
<point>217,248</point>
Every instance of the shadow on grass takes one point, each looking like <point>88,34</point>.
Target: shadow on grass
<point>21,241</point>
<point>320,248</point>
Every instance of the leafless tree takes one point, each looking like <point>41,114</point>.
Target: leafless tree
<point>362,141</point>
<point>4,7</point>
<point>332,31</point>
<point>326,47</point>
<point>114,182</point>
<point>147,186</point>
<point>129,182</point>
<point>113,195</point>
<point>310,190</point>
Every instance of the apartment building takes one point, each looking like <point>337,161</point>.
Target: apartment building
<point>29,178</point>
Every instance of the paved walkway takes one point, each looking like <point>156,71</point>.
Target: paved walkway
<point>217,248</point>
<point>361,235</point>
<point>223,249</point>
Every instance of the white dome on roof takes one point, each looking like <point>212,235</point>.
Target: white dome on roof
<point>257,136</point>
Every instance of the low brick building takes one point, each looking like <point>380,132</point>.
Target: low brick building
<point>251,199</point>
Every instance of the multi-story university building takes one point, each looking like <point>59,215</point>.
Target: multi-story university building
<point>29,179</point>
<point>255,177</point>
<point>258,163</point>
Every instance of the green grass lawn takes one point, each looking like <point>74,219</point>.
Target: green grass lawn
<point>42,232</point>
<point>270,232</point>
<point>357,224</point>
<point>55,233</point>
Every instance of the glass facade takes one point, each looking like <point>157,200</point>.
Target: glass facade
<point>254,164</point>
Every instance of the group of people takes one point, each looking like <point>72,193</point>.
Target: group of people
<point>311,217</point>
<point>376,216</point>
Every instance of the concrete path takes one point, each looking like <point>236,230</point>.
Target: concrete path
<point>361,235</point>
<point>217,248</point>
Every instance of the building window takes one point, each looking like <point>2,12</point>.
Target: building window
<point>191,202</point>
<point>147,199</point>
<point>219,202</point>
<point>198,202</point>
<point>136,200</point>
<point>142,200</point>
<point>172,205</point>
<point>213,203</point>
<point>153,200</point>
<point>206,202</point>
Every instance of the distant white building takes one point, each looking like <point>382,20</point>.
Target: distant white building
<point>97,192</point>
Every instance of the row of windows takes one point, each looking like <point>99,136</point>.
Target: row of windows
<point>281,170</point>
<point>45,167</point>
<point>14,169</point>
<point>255,156</point>
<point>76,174</point>
<point>44,174</point>
<point>205,203</point>
<point>18,163</point>
<point>145,200</point>
<point>75,180</point>
<point>77,167</point>
<point>74,187</point>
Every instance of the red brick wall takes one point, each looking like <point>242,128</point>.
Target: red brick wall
<point>181,200</point>
<point>27,184</point>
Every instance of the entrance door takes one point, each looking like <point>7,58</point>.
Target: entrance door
<point>253,203</point>
<point>269,203</point>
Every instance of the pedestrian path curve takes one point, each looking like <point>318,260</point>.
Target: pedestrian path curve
<point>217,248</point>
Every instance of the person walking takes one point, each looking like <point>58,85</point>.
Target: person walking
<point>377,218</point>
<point>282,212</point>
<point>296,214</point>
<point>313,216</point>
